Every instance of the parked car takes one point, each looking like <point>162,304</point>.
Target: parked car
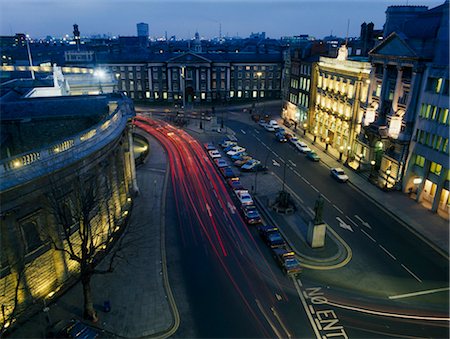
<point>229,147</point>
<point>271,236</point>
<point>235,183</point>
<point>339,174</point>
<point>288,136</point>
<point>220,163</point>
<point>313,156</point>
<point>227,143</point>
<point>242,160</point>
<point>227,172</point>
<point>251,214</point>
<point>244,197</point>
<point>235,150</point>
<point>262,122</point>
<point>239,156</point>
<point>257,168</point>
<point>209,146</point>
<point>269,128</point>
<point>287,261</point>
<point>302,147</point>
<point>214,154</point>
<point>274,124</point>
<point>280,137</point>
<point>250,164</point>
<point>293,140</point>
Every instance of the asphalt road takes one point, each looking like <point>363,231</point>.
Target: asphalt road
<point>388,261</point>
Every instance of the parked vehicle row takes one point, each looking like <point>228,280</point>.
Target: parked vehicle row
<point>283,255</point>
<point>282,136</point>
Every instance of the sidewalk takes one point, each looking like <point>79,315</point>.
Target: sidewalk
<point>137,289</point>
<point>427,225</point>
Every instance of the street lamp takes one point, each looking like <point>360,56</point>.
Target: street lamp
<point>372,169</point>
<point>327,141</point>
<point>388,173</point>
<point>305,125</point>
<point>341,150</point>
<point>315,136</point>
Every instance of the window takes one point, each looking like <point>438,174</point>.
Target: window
<point>231,94</point>
<point>435,168</point>
<point>378,90</point>
<point>445,146</point>
<point>156,95</point>
<point>239,94</point>
<point>31,236</point>
<point>147,94</point>
<point>443,117</point>
<point>203,95</point>
<point>420,161</point>
<point>438,143</point>
<point>433,113</point>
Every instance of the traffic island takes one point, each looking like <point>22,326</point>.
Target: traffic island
<point>294,227</point>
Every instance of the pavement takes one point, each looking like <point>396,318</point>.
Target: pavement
<point>138,290</point>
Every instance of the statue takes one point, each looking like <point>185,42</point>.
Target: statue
<point>318,208</point>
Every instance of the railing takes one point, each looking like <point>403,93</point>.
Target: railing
<point>26,166</point>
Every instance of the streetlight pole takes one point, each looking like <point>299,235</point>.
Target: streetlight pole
<point>327,142</point>
<point>265,164</point>
<point>305,125</point>
<point>341,150</point>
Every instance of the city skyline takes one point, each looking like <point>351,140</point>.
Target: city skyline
<point>210,18</point>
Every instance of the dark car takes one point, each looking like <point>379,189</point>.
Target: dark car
<point>209,146</point>
<point>287,261</point>
<point>235,183</point>
<point>71,329</point>
<point>251,215</point>
<point>271,236</point>
<point>256,168</point>
<point>227,172</point>
<point>280,137</point>
<point>312,156</point>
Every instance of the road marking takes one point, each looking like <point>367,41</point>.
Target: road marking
<point>311,309</point>
<point>310,210</point>
<point>279,297</point>
<point>343,224</point>
<point>354,223</point>
<point>315,189</point>
<point>338,208</point>
<point>305,180</point>
<point>387,252</point>
<point>275,163</point>
<point>275,313</point>
<point>305,306</point>
<point>368,235</point>
<point>328,200</point>
<point>243,132</point>
<point>363,222</point>
<point>292,163</point>
<point>278,334</point>
<point>262,142</point>
<point>409,271</point>
<point>256,131</point>
<point>413,294</point>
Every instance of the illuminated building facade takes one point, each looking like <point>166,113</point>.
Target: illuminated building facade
<point>340,100</point>
<point>48,144</point>
<point>405,121</point>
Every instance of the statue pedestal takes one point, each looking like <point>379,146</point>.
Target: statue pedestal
<point>316,234</point>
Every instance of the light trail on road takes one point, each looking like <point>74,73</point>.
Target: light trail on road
<point>201,198</point>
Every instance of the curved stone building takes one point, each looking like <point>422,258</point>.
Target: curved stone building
<point>54,148</point>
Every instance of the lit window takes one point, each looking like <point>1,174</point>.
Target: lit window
<point>231,94</point>
<point>435,168</point>
<point>438,85</point>
<point>261,94</point>
<point>156,96</point>
<point>165,95</point>
<point>147,94</point>
<point>239,94</point>
<point>444,116</point>
<point>254,94</point>
<point>420,161</point>
<point>203,95</point>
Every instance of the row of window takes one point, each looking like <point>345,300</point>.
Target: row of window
<point>431,112</point>
<point>337,106</point>
<point>301,69</point>
<point>300,99</point>
<point>436,142</point>
<point>303,83</point>
<point>340,85</point>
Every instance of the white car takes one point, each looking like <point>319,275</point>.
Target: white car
<point>244,197</point>
<point>302,147</point>
<point>235,150</point>
<point>339,174</point>
<point>293,140</point>
<point>269,128</point>
<point>214,154</point>
<point>274,124</point>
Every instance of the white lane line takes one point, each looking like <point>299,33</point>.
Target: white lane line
<point>278,334</point>
<point>310,210</point>
<point>275,154</point>
<point>387,252</point>
<point>292,163</point>
<point>338,208</point>
<point>262,142</point>
<point>283,326</point>
<point>343,224</point>
<point>328,200</point>
<point>368,235</point>
<point>409,271</point>
<point>315,189</point>
<point>365,223</point>
<point>305,306</point>
<point>243,132</point>
<point>257,138</point>
<point>300,199</point>
<point>413,294</point>
<point>256,131</point>
<point>354,223</point>
<point>305,180</point>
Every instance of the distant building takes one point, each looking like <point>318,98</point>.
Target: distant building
<point>142,30</point>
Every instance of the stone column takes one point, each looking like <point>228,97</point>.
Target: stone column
<point>208,84</point>
<point>384,86</point>
<point>197,81</point>
<point>150,82</point>
<point>227,89</point>
<point>397,90</point>
<point>169,83</point>
<point>371,84</point>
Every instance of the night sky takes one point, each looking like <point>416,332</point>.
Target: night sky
<point>182,18</point>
